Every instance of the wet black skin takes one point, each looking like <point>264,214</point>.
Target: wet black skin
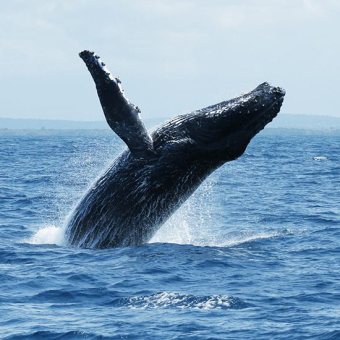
<point>146,184</point>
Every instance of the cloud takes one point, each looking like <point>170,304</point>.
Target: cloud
<point>200,51</point>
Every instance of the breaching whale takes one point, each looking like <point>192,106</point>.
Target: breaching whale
<point>159,171</point>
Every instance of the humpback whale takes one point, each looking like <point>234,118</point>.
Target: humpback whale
<point>158,171</point>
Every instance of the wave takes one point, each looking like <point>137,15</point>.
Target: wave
<point>57,335</point>
<point>157,300</point>
<point>183,301</point>
<point>252,237</point>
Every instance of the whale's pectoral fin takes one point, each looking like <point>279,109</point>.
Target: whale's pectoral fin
<point>121,115</point>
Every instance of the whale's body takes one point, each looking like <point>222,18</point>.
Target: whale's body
<point>157,173</point>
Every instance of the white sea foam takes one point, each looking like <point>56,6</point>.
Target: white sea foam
<point>48,234</point>
<point>320,158</point>
<point>247,238</point>
<point>182,301</point>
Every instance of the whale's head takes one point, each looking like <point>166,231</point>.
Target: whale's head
<point>224,130</point>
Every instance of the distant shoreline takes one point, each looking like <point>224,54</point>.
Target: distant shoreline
<point>283,121</point>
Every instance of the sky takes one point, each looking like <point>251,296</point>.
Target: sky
<point>172,56</point>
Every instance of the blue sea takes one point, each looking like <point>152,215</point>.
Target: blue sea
<point>253,254</point>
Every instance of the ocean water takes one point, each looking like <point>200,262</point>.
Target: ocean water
<point>253,254</point>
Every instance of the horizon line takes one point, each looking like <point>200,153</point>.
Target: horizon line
<point>147,118</point>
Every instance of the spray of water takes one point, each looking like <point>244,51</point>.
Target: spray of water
<point>49,234</point>
<point>193,223</point>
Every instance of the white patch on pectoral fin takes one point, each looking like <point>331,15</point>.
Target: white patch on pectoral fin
<point>121,115</point>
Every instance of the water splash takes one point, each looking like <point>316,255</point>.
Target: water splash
<point>191,223</point>
<point>194,223</point>
<point>182,231</point>
<point>49,234</point>
<point>177,230</point>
